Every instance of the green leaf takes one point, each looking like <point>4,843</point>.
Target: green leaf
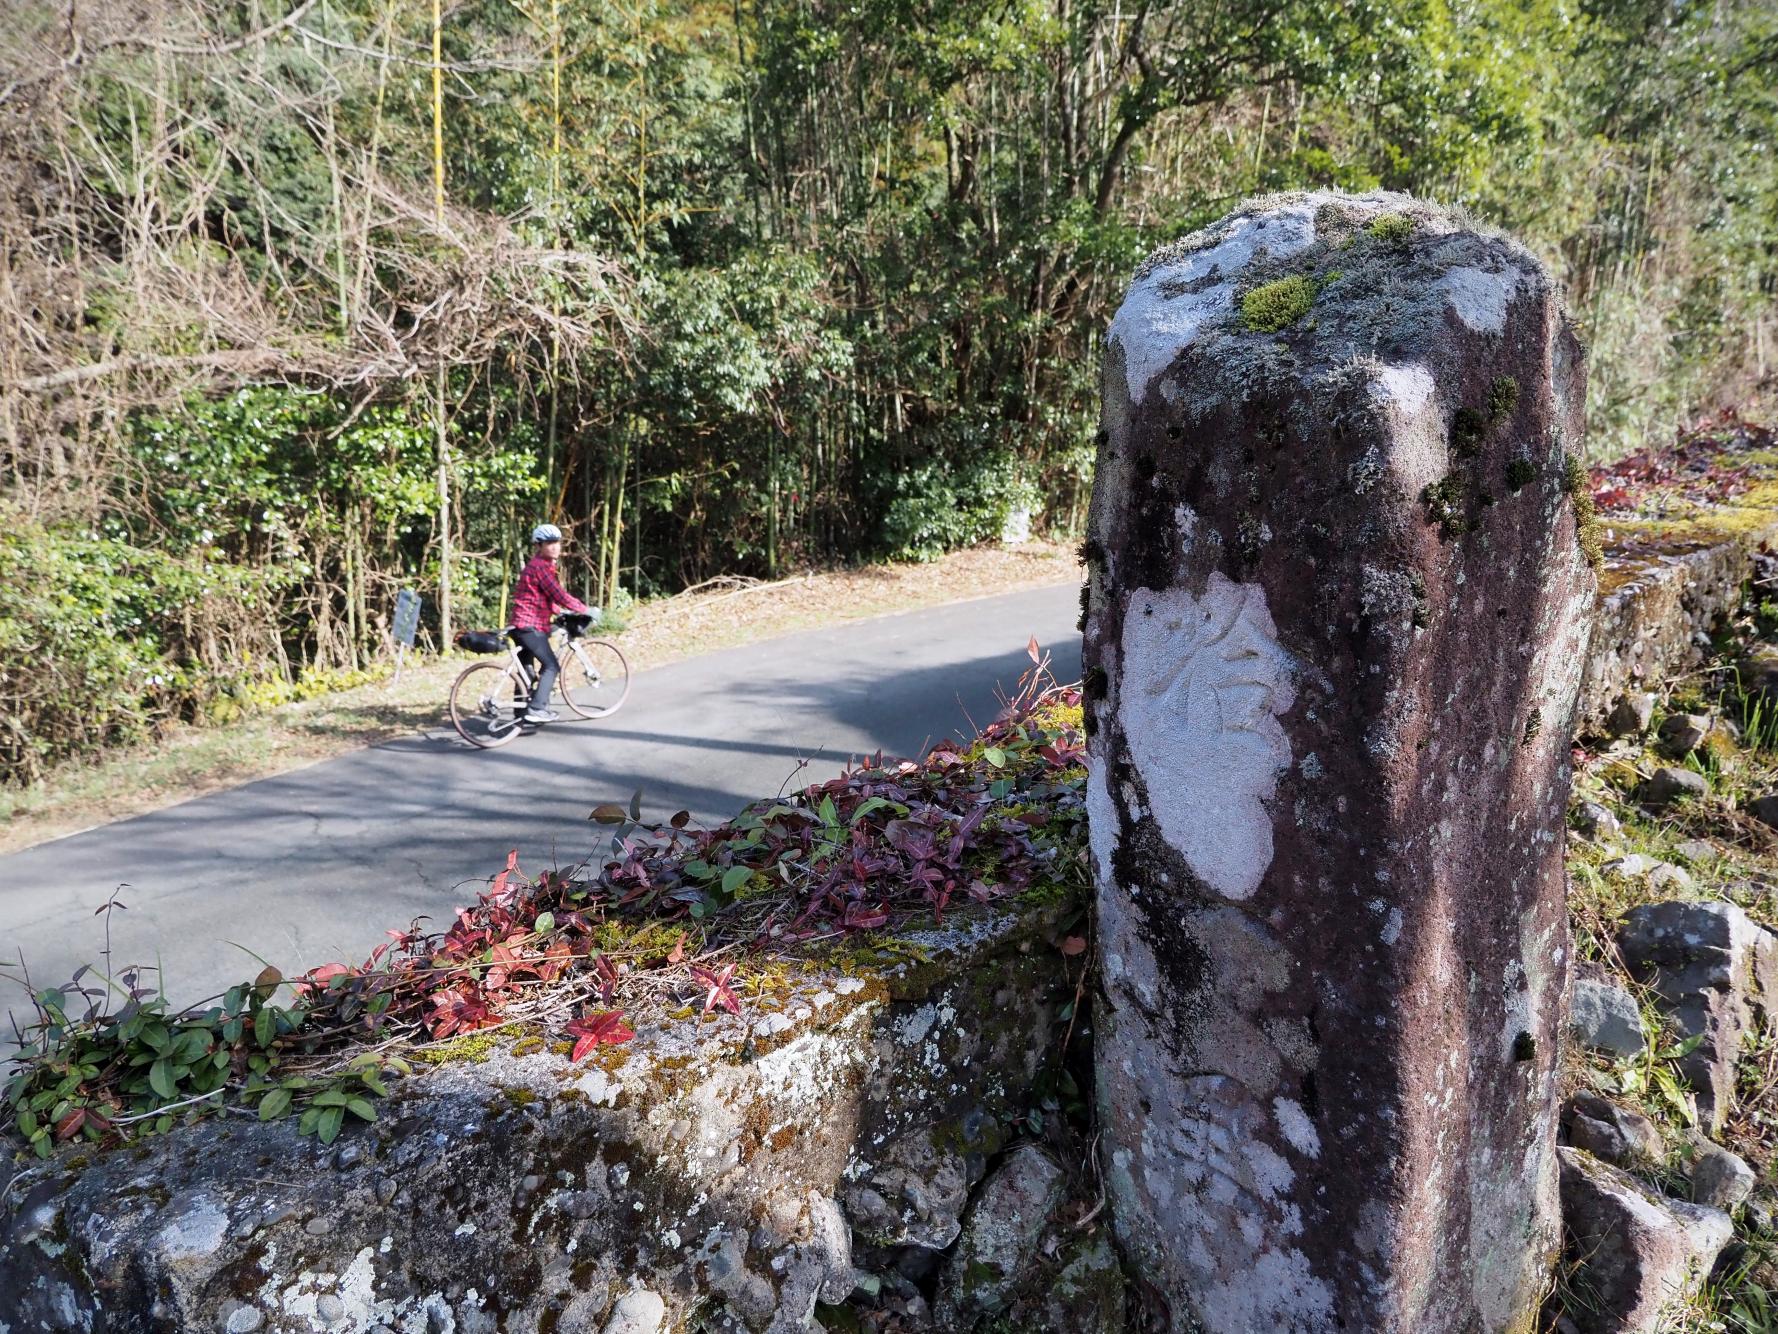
<point>328,1126</point>
<point>359,1107</point>
<point>995,756</point>
<point>274,1104</point>
<point>1680,1050</point>
<point>546,921</point>
<point>734,878</point>
<point>330,1098</point>
<point>306,1123</point>
<point>265,1026</point>
<point>160,1078</point>
<point>699,870</point>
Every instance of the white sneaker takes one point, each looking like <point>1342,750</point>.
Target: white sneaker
<point>540,716</point>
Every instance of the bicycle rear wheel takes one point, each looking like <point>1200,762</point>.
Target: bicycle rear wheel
<point>486,704</point>
<point>595,678</point>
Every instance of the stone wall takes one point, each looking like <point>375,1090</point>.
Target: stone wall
<point>738,1171</point>
<point>1668,586</point>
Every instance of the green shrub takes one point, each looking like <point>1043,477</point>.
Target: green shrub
<point>102,641</point>
<point>935,510</point>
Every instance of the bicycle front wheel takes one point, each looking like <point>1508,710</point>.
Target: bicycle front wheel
<point>486,704</point>
<point>595,678</point>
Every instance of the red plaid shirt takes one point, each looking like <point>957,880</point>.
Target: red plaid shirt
<point>539,593</point>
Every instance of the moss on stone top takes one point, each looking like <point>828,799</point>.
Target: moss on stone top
<point>1277,305</point>
<point>1391,228</point>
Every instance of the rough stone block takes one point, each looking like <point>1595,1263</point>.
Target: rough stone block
<point>999,1241</point>
<point>1713,970</point>
<point>1336,621</point>
<point>1682,733</point>
<point>1607,1131</point>
<point>1593,820</point>
<point>1720,1179</point>
<point>1648,627</point>
<point>1631,715</point>
<point>1641,1254</point>
<point>1765,809</point>
<point>1606,1018</point>
<point>700,1166</point>
<point>1669,785</point>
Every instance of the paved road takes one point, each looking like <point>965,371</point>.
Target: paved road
<point>312,865</point>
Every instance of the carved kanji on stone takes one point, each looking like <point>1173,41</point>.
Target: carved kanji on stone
<point>1339,556</point>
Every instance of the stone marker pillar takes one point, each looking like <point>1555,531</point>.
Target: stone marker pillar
<point>1339,596</point>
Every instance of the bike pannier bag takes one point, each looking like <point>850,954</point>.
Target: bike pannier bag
<point>481,641</point>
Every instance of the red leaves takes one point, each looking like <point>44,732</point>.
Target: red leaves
<point>459,1010</point>
<point>1073,945</point>
<point>717,994</point>
<point>316,978</point>
<point>607,978</point>
<point>1702,469</point>
<point>499,889</point>
<point>606,1027</point>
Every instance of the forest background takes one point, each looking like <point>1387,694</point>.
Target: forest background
<point>302,302</point>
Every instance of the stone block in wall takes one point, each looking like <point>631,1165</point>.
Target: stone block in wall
<point>701,1166</point>
<point>1637,1255</point>
<point>1714,972</point>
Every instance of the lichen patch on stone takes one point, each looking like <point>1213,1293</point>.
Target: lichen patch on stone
<point>1171,302</point>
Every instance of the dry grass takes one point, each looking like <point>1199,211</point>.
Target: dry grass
<point>187,762</point>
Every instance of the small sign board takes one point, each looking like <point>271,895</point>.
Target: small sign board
<point>407,616</point>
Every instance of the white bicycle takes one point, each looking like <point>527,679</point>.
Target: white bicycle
<point>489,699</point>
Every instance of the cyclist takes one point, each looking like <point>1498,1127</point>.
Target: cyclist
<point>537,594</point>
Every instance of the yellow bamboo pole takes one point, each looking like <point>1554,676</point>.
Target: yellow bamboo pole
<point>443,444</point>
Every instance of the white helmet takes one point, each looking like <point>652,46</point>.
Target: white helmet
<point>546,532</point>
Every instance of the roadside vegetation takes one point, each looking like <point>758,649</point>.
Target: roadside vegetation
<point>295,313</point>
<point>667,921</point>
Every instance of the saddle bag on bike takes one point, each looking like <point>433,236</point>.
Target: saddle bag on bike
<point>481,641</point>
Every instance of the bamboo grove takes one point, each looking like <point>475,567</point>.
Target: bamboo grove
<point>305,300</point>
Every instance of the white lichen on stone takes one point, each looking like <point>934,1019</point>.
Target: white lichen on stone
<point>600,1088</point>
<point>1297,1127</point>
<point>1203,683</point>
<point>1479,297</point>
<point>1169,304</point>
<point>1403,389</point>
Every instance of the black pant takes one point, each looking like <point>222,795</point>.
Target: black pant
<point>534,649</point>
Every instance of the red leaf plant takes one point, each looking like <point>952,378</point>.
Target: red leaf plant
<point>600,1028</point>
<point>717,994</point>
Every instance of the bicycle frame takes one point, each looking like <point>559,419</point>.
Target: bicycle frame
<point>561,643</point>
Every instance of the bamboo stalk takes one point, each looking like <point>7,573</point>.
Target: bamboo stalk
<point>441,439</point>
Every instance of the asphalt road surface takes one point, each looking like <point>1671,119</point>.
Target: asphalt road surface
<point>311,866</point>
